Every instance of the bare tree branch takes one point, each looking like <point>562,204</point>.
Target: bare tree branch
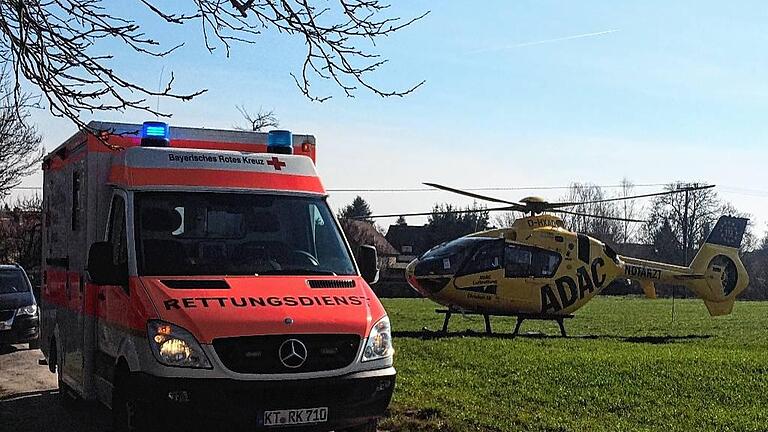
<point>258,122</point>
<point>606,230</point>
<point>20,151</point>
<point>66,47</point>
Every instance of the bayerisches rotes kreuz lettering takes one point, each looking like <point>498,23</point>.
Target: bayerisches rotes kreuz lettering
<point>224,159</point>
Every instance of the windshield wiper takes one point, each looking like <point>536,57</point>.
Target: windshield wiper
<point>297,272</point>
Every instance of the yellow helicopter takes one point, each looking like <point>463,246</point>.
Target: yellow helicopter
<point>538,269</point>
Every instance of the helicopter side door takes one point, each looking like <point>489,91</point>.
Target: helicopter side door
<point>477,281</point>
<point>526,269</point>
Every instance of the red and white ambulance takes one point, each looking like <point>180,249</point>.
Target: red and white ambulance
<point>197,276</point>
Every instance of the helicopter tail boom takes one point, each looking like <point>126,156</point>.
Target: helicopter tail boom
<point>716,274</point>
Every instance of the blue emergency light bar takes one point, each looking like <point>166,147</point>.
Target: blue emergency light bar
<point>155,134</point>
<point>280,141</point>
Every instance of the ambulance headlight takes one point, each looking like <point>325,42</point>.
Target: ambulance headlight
<point>174,346</point>
<point>379,344</point>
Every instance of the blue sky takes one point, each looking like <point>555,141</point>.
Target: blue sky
<point>661,91</point>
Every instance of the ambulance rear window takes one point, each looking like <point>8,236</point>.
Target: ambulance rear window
<point>191,233</point>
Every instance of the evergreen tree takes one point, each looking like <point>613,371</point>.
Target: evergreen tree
<point>445,224</point>
<point>358,209</point>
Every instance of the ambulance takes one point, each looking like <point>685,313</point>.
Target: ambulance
<point>198,277</point>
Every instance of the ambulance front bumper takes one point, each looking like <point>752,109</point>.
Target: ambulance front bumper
<point>351,400</point>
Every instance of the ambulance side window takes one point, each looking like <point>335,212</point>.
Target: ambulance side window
<point>117,234</point>
<point>326,241</point>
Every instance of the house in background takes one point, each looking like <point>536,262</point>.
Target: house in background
<point>410,241</point>
<point>360,233</point>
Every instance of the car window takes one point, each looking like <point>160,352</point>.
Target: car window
<point>12,281</point>
<point>117,233</point>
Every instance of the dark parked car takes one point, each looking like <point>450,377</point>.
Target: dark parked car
<point>19,316</point>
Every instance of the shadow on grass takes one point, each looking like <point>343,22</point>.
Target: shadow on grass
<point>425,419</point>
<point>426,334</point>
<point>656,340</point>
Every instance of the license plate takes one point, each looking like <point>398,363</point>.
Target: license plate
<point>295,416</point>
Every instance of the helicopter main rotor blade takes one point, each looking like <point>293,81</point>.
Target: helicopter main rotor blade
<point>598,216</point>
<point>433,212</point>
<point>676,191</point>
<point>517,206</point>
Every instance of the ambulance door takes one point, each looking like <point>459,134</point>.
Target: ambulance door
<point>71,329</point>
<point>113,303</point>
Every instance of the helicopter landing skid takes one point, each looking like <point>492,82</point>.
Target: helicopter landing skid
<point>520,318</point>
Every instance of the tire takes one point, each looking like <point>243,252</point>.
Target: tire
<point>35,344</point>
<point>371,426</point>
<point>130,413</point>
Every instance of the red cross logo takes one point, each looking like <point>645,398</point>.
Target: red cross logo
<point>275,162</point>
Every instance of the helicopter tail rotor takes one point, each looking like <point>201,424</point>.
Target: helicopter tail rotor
<point>718,260</point>
<point>716,274</point>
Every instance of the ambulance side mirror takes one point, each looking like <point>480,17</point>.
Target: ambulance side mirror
<point>101,269</point>
<point>368,261</point>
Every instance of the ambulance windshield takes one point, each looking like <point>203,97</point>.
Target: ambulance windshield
<point>190,233</point>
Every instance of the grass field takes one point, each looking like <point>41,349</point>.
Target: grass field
<point>625,366</point>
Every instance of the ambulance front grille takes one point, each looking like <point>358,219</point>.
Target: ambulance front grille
<point>261,354</point>
<point>5,315</point>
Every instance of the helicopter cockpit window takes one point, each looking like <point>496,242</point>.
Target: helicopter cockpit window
<point>486,257</point>
<point>526,261</point>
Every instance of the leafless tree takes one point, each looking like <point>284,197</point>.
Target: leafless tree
<point>258,122</point>
<point>689,216</point>
<point>505,219</point>
<point>19,142</point>
<point>66,48</point>
<point>628,209</point>
<point>20,234</point>
<point>603,229</point>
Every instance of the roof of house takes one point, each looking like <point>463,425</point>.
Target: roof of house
<point>637,250</point>
<point>362,232</point>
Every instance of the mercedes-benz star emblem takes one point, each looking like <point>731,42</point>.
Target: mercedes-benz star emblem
<point>293,353</point>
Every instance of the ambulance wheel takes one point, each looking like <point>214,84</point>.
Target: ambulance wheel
<point>371,426</point>
<point>129,412</point>
<point>35,344</point>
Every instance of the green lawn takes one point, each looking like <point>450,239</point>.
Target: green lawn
<point>625,366</point>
